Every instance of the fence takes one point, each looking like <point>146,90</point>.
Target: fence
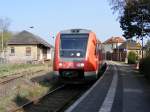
<point>116,56</point>
<point>3,60</point>
<point>3,57</point>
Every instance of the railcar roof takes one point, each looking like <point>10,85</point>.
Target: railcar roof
<point>76,31</point>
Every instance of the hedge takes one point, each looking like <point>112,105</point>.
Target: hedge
<point>131,57</point>
<point>144,66</point>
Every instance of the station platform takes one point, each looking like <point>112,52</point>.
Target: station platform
<point>99,98</point>
<point>121,89</point>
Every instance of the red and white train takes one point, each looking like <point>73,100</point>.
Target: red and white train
<point>78,55</point>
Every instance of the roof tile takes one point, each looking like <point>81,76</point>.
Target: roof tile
<point>28,38</point>
<point>114,40</point>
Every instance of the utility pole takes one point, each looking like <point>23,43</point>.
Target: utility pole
<point>142,48</point>
<point>142,33</point>
<point>118,54</point>
<point>142,28</point>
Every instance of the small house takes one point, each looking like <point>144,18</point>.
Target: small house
<point>26,47</point>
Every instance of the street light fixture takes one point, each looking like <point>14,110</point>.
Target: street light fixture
<point>31,27</point>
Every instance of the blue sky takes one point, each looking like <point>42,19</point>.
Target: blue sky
<point>50,16</point>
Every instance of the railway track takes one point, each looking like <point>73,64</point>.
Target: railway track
<point>9,84</point>
<point>54,101</point>
<point>10,79</point>
<point>7,79</point>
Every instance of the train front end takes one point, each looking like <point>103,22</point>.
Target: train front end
<point>71,59</point>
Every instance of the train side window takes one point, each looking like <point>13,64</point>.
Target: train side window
<point>95,51</point>
<point>95,44</point>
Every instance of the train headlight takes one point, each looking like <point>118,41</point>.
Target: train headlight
<point>60,64</point>
<point>80,64</point>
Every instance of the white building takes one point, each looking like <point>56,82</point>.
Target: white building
<point>112,43</point>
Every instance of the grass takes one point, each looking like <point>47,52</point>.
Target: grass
<point>21,95</point>
<point>9,69</point>
<point>31,92</point>
<point>5,102</point>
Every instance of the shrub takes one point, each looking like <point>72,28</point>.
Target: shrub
<point>131,57</point>
<point>144,66</point>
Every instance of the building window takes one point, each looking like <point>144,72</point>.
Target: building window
<point>112,46</point>
<point>28,51</point>
<point>12,51</point>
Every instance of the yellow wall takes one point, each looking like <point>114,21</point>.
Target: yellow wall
<point>20,53</point>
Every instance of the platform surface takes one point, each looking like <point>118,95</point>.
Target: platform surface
<point>120,89</point>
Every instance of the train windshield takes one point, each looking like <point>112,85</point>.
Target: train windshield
<point>73,45</point>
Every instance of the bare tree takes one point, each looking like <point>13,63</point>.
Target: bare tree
<point>4,25</point>
<point>119,5</point>
<point>5,35</point>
